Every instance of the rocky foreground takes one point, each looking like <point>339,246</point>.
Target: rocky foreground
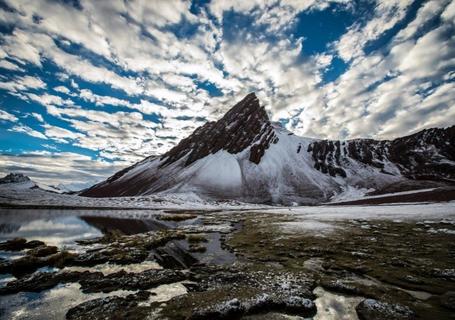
<point>250,266</point>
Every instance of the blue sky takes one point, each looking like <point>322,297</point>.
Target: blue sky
<point>88,87</point>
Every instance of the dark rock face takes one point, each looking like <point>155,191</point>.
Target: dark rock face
<point>419,156</point>
<point>448,300</point>
<point>243,125</point>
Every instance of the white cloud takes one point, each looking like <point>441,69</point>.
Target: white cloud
<point>49,99</point>
<point>5,64</point>
<point>37,116</point>
<point>27,130</point>
<point>7,116</point>
<point>62,89</point>
<point>24,83</point>
<point>387,14</point>
<point>392,93</point>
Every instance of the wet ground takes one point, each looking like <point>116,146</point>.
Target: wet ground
<point>85,264</point>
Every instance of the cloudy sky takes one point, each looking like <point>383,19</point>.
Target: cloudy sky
<point>88,87</point>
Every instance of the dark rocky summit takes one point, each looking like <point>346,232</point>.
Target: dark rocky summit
<point>241,127</point>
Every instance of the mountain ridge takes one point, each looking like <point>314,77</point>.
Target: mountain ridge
<point>244,156</point>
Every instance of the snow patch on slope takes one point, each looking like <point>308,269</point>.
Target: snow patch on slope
<point>220,171</point>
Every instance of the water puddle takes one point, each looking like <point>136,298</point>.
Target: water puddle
<point>59,231</point>
<point>214,253</point>
<point>333,306</point>
<point>49,304</point>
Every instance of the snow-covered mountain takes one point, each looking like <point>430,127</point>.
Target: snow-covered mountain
<point>20,181</point>
<point>245,156</point>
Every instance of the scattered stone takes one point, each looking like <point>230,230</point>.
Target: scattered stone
<point>18,244</point>
<point>194,238</point>
<point>448,300</point>
<point>115,255</point>
<point>29,264</point>
<point>412,279</point>
<point>34,243</point>
<point>448,274</point>
<point>197,248</point>
<point>15,244</point>
<point>237,307</point>
<point>112,308</point>
<point>45,280</point>
<point>341,286</point>
<point>370,309</point>
<point>123,280</point>
<point>42,251</point>
<point>227,293</point>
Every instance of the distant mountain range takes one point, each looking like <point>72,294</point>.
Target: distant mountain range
<point>244,156</point>
<point>22,181</point>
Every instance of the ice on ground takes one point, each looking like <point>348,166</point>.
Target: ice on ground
<point>416,212</point>
<point>351,193</point>
<point>166,292</point>
<point>332,306</point>
<point>321,220</point>
<point>108,268</point>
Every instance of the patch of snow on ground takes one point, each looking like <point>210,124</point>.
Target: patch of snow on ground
<point>352,193</point>
<point>443,210</point>
<point>309,226</point>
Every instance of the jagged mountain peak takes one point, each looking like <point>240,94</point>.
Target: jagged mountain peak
<point>242,126</point>
<point>246,109</point>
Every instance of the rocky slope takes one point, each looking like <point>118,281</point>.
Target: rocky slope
<point>245,156</point>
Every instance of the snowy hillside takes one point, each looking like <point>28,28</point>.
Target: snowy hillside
<point>244,156</point>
